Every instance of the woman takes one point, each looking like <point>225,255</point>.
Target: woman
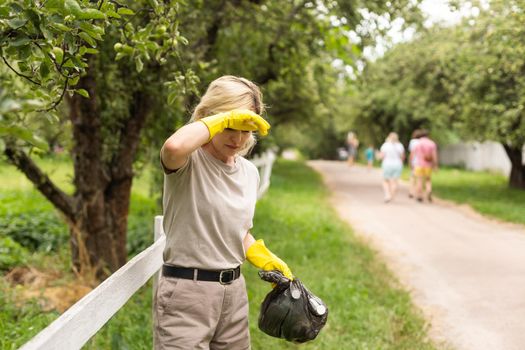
<point>210,192</point>
<point>392,154</point>
<point>352,143</point>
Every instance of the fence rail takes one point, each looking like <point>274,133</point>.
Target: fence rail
<point>84,319</point>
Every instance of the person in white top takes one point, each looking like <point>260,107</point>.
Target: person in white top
<point>209,199</point>
<point>392,154</point>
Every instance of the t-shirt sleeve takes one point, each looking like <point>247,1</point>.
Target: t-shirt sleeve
<point>180,170</point>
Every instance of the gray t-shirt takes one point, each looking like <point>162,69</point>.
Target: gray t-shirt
<point>208,209</point>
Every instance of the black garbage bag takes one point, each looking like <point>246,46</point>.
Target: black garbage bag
<point>290,310</point>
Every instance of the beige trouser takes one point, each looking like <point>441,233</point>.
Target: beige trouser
<point>201,315</point>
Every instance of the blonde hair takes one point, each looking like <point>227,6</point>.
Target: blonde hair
<point>230,92</point>
<point>392,137</point>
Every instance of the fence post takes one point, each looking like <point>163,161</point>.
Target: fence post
<point>158,232</point>
<point>266,163</point>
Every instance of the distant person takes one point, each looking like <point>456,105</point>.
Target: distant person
<point>426,155</point>
<point>412,162</point>
<point>352,143</point>
<point>392,154</point>
<point>370,155</point>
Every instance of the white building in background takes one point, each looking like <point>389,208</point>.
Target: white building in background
<point>477,156</point>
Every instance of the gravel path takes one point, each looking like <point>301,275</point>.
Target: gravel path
<point>465,272</point>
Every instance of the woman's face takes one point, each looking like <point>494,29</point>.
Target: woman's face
<point>226,145</point>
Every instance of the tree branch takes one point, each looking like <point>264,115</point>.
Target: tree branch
<point>62,201</point>
<point>18,73</point>
<point>57,102</point>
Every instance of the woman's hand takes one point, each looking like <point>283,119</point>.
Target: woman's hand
<point>237,119</point>
<point>263,258</point>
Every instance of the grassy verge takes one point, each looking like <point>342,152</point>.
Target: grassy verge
<point>487,193</point>
<point>368,310</point>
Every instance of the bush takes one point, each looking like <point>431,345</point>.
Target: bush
<point>36,231</point>
<point>11,253</point>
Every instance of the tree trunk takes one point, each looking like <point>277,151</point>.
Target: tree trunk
<point>517,172</point>
<point>92,250</point>
<point>103,182</point>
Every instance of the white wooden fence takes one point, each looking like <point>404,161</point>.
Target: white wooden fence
<point>81,321</point>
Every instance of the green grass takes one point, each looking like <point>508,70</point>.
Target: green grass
<point>19,321</point>
<point>487,193</point>
<point>367,308</point>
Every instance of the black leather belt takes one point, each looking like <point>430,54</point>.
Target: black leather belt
<point>221,276</point>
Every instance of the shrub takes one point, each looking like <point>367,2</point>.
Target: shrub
<point>11,253</point>
<point>36,231</point>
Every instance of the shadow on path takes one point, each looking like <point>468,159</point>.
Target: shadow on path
<point>466,273</point>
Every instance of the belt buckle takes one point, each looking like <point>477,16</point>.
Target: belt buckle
<point>226,271</point>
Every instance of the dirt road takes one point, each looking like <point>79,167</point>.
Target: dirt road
<point>465,272</point>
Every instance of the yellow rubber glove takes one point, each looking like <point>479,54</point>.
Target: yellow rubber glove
<point>263,258</point>
<point>237,119</point>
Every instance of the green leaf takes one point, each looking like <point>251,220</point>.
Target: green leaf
<point>33,17</point>
<point>91,14</point>
<point>60,26</point>
<point>44,70</point>
<point>85,36</point>
<point>83,50</point>
<point>47,33</point>
<point>74,81</point>
<point>16,23</point>
<point>25,134</point>
<point>94,31</point>
<point>24,52</point>
<point>82,92</point>
<point>21,41</point>
<point>79,64</point>
<point>58,53</point>
<point>113,14</point>
<point>139,65</point>
<point>72,7</point>
<point>120,55</point>
<point>54,4</point>
<point>125,11</point>
<point>68,64</point>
